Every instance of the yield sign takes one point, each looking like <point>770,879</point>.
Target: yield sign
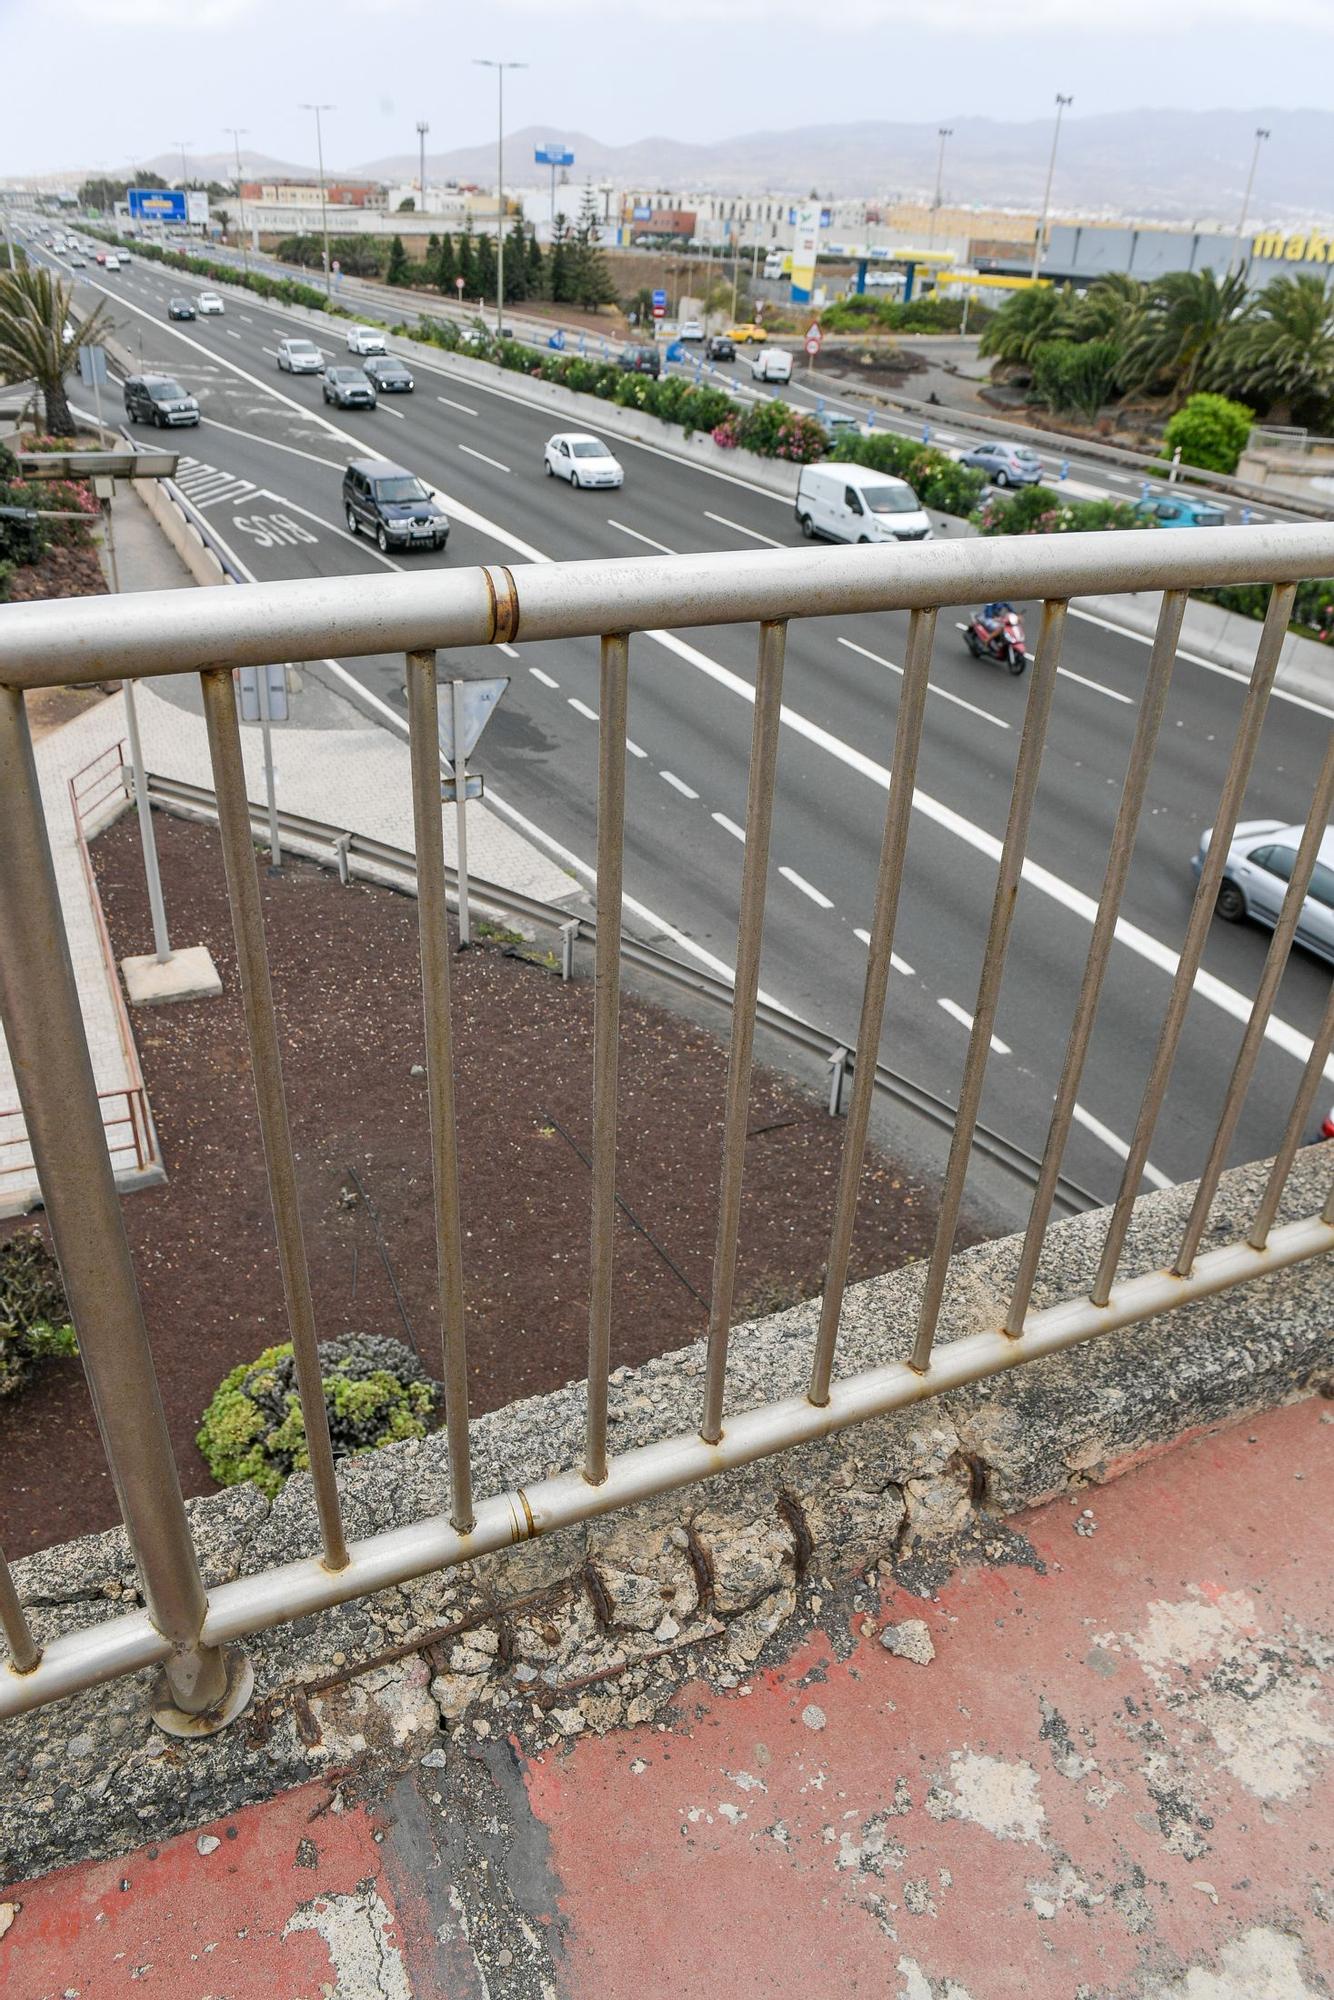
<point>478,701</point>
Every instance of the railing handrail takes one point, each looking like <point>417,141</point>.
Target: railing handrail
<point>148,633</point>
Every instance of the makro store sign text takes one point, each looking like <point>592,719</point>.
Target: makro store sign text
<point>1304,246</point>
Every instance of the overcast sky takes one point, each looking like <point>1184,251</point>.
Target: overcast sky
<point>100,82</point>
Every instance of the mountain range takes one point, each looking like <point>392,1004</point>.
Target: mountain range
<point>1160,164</point>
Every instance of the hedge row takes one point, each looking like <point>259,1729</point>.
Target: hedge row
<point>287,291</point>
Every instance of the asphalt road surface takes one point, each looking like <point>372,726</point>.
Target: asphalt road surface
<point>265,468</point>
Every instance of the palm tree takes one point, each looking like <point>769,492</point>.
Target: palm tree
<point>1185,322</point>
<point>1025,320</point>
<point>1283,352</point>
<point>1111,309</point>
<point>38,341</point>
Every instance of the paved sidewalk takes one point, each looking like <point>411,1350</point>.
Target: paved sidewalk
<point>1099,1772</point>
<point>347,772</point>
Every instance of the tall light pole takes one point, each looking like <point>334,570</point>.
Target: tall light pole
<point>943,133</point>
<point>324,213</point>
<point>485,62</point>
<point>236,131</point>
<point>1061,103</point>
<point>1260,136</point>
<point>183,143</point>
<point>422,129</point>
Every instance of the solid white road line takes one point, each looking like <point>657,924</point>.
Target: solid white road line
<point>1199,660</point>
<point>582,708</point>
<point>677,784</point>
<point>466,408</point>
<point>545,679</point>
<point>965,1019</point>
<point>737,528</point>
<point>806,888</point>
<point>931,688</point>
<point>661,547</point>
<point>482,455</point>
<point>730,826</point>
<point>1117,1145</point>
<point>899,964</point>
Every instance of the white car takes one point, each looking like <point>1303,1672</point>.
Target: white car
<point>112,261</point>
<point>771,364</point>
<point>691,329</point>
<point>583,460</point>
<point>365,340</point>
<point>209,302</point>
<point>300,356</point>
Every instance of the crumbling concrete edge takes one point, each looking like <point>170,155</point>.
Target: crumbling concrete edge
<point>603,1625</point>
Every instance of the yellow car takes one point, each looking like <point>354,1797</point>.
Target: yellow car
<point>748,330</point>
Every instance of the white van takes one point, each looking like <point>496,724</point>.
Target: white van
<point>854,503</point>
<point>771,364</point>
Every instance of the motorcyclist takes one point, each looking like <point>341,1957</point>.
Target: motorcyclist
<point>991,617</point>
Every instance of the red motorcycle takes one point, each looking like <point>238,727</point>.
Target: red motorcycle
<point>996,632</point>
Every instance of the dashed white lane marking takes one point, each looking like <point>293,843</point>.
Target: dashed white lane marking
<point>678,784</point>
<point>806,888</point>
<point>634,748</point>
<point>270,350</point>
<point>1116,1144</point>
<point>480,454</point>
<point>943,693</point>
<point>737,528</point>
<point>398,415</point>
<point>965,1019</point>
<point>246,317</point>
<point>582,708</point>
<point>661,547</point>
<point>899,964</point>
<point>730,826</point>
<point>538,675</point>
<point>508,651</point>
<point>231,333</point>
<point>466,408</point>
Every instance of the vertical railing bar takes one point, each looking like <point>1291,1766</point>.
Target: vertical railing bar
<point>238,853</point>
<point>1243,1069</point>
<point>613,709</point>
<point>433,935</point>
<point>1245,744</point>
<point>889,877</point>
<point>1153,703</point>
<point>1267,1207</point>
<point>24,1651</point>
<point>43,1026</point>
<point>765,731</point>
<point>1028,767</point>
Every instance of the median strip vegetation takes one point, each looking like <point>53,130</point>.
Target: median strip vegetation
<point>287,291</point>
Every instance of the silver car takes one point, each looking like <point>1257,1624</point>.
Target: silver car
<point>1005,464</point>
<point>1256,876</point>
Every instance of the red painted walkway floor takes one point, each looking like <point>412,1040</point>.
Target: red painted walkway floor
<point>1111,1780</point>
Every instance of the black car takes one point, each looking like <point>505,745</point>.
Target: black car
<point>720,348</point>
<point>159,399</point>
<point>180,309</point>
<point>393,505</point>
<point>349,388</point>
<point>389,374</point>
<point>640,361</point>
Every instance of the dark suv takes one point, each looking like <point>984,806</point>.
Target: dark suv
<point>393,505</point>
<point>640,361</point>
<point>158,399</point>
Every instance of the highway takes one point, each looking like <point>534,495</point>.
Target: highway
<point>265,469</point>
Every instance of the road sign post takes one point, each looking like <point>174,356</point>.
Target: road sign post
<point>263,693</point>
<point>461,721</point>
<point>93,372</point>
<point>813,339</point>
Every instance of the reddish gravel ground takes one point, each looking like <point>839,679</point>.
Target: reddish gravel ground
<point>346,980</point>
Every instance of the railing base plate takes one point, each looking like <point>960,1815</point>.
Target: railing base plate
<point>174,1721</point>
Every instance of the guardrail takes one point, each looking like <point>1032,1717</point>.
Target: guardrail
<point>191,1632</point>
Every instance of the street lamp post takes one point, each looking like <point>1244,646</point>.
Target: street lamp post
<point>1261,134</point>
<point>943,133</point>
<point>183,143</point>
<point>324,213</point>
<point>422,129</point>
<point>236,131</point>
<point>485,62</point>
<point>1061,103</point>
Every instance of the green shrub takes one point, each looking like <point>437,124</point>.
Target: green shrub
<point>1037,510</point>
<point>376,1392</point>
<point>938,480</point>
<point>869,313</point>
<point>1211,431</point>
<point>1075,377</point>
<point>34,1313</point>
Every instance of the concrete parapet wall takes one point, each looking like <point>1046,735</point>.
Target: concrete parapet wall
<point>602,1624</point>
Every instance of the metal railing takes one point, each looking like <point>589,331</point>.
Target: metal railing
<point>187,1629</point>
